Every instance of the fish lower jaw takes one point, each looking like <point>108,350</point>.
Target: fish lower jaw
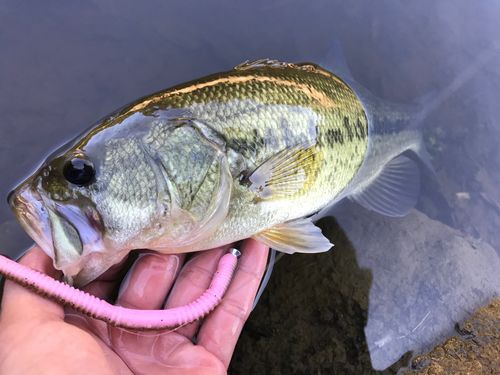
<point>27,205</point>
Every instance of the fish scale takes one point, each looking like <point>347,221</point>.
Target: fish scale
<point>284,111</point>
<point>272,115</point>
<point>284,100</point>
<point>123,193</point>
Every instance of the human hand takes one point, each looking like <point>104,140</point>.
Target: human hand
<point>38,336</point>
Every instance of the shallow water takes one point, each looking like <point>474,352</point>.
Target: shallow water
<point>64,66</point>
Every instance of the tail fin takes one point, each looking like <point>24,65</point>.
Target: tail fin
<point>421,151</point>
<point>423,106</point>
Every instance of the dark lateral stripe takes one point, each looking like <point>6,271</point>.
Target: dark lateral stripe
<point>334,136</point>
<point>360,130</point>
<point>348,128</point>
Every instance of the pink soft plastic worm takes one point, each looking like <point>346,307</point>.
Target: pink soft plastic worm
<point>119,316</point>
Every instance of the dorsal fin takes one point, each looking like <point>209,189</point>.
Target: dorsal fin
<point>334,61</point>
<point>268,63</point>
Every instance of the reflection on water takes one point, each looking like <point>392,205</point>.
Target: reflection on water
<point>394,284</point>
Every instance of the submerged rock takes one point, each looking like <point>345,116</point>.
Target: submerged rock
<point>426,278</point>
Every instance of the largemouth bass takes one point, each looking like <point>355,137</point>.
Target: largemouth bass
<point>250,152</point>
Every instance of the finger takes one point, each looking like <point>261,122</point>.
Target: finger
<point>104,285</point>
<point>103,288</point>
<point>149,281</point>
<point>221,329</point>
<point>193,281</point>
<point>20,303</point>
<point>145,287</point>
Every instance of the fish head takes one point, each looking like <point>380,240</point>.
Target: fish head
<point>97,198</point>
<point>55,206</point>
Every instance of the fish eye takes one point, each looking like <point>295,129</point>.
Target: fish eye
<point>78,169</point>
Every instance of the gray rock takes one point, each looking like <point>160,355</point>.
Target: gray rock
<point>426,278</point>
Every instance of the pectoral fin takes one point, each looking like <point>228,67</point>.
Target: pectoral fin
<point>299,235</point>
<point>394,191</point>
<point>283,173</point>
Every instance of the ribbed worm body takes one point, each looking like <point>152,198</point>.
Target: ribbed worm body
<point>119,316</point>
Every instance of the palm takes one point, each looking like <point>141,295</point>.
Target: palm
<point>40,341</point>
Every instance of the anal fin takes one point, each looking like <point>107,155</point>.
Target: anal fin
<point>394,192</point>
<point>300,236</point>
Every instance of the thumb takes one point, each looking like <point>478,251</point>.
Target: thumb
<point>20,303</point>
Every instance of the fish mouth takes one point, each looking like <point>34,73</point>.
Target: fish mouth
<point>28,207</point>
<point>66,232</point>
